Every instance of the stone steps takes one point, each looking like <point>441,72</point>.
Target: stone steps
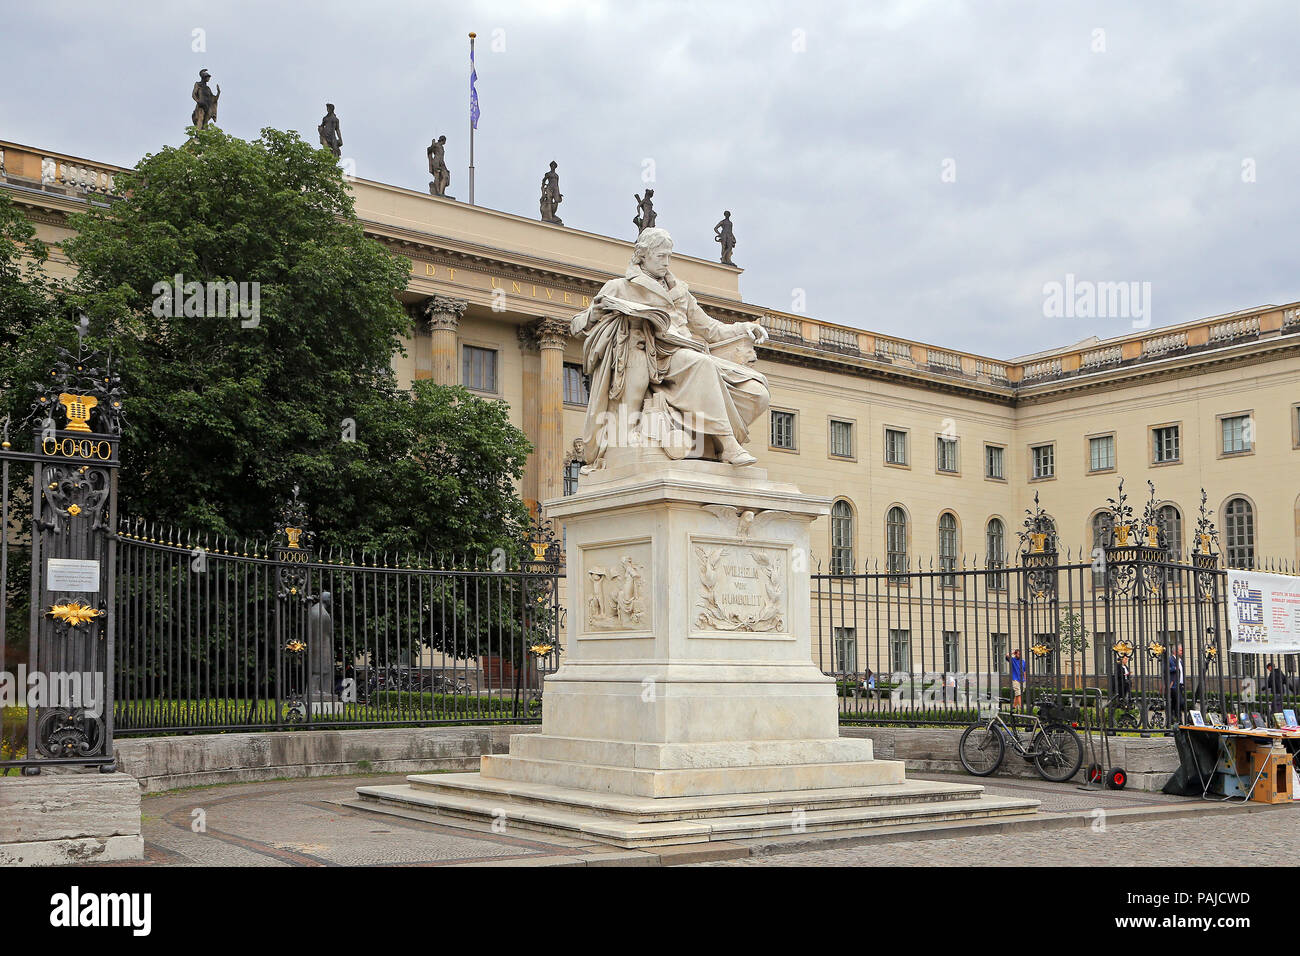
<point>629,821</point>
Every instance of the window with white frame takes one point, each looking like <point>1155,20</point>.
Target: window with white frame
<point>1101,453</point>
<point>1044,461</point>
<point>846,650</point>
<point>948,549</point>
<point>575,385</point>
<point>1236,431</point>
<point>841,538</point>
<point>900,650</point>
<point>994,462</point>
<point>1164,444</point>
<point>946,454</point>
<point>479,368</point>
<point>895,447</point>
<point>841,439</point>
<point>782,429</point>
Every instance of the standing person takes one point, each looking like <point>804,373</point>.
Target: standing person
<point>1274,686</point>
<point>1123,679</point>
<point>1017,677</point>
<point>1177,687</point>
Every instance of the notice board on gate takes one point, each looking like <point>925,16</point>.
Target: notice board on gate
<point>1263,613</point>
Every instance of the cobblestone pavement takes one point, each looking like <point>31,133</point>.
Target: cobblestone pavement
<point>1263,838</point>
<point>301,823</point>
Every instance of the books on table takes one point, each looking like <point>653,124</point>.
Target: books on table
<point>1197,719</point>
<point>1232,719</point>
<point>1258,718</point>
<point>1214,719</point>
<point>1289,714</point>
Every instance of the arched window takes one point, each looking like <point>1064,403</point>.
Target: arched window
<point>841,538</point>
<point>948,549</point>
<point>1102,525</point>
<point>896,540</point>
<point>995,546</point>
<point>1171,521</point>
<point>1239,518</point>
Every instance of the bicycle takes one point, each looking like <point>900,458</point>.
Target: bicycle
<point>1055,749</point>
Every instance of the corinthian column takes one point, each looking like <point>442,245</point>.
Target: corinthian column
<point>551,337</point>
<point>444,315</point>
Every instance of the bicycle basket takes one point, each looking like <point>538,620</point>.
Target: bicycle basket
<point>1051,711</point>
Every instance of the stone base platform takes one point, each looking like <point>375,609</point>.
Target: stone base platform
<point>59,818</point>
<point>636,821</point>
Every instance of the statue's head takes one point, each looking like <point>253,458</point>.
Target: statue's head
<point>726,214</point>
<point>204,75</point>
<point>654,247</point>
<point>329,107</point>
<point>553,164</point>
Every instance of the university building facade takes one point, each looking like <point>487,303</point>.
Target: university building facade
<point>929,453</point>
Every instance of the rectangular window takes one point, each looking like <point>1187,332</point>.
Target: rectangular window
<point>1044,461</point>
<point>951,652</point>
<point>895,447</point>
<point>571,471</point>
<point>998,648</point>
<point>1101,453</point>
<point>946,455</point>
<point>782,429</point>
<point>846,650</point>
<point>900,651</point>
<point>479,369</point>
<point>575,386</point>
<point>993,462</point>
<point>841,439</point>
<point>1164,444</point>
<point>1236,434</point>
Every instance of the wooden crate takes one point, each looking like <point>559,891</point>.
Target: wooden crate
<point>1275,784</point>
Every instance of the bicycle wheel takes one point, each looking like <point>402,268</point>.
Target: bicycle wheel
<point>1058,752</point>
<point>981,749</point>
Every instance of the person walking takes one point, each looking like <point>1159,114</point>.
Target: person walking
<point>1017,677</point>
<point>1274,686</point>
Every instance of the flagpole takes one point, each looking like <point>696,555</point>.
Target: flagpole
<point>471,129</point>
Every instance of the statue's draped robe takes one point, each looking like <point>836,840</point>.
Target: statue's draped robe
<point>700,393</point>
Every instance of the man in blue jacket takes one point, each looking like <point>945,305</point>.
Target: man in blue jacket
<point>1017,677</point>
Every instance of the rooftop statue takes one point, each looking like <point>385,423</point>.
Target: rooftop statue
<point>551,196</point>
<point>723,233</point>
<point>663,372</point>
<point>331,137</point>
<point>645,211</point>
<point>205,101</point>
<point>438,167</point>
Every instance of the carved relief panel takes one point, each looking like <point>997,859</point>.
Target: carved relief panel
<point>616,588</point>
<point>740,587</point>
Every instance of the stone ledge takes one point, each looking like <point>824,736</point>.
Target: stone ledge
<point>166,763</point>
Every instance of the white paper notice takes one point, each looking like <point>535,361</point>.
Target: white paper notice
<point>65,574</point>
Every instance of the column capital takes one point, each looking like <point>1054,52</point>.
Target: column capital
<point>551,333</point>
<point>527,338</point>
<point>444,312</point>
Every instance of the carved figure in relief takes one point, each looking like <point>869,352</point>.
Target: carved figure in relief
<point>617,595</point>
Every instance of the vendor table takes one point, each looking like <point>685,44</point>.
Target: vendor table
<point>1232,745</point>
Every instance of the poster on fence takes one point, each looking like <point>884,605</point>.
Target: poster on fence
<point>1263,613</point>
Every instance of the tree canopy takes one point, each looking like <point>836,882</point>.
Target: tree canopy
<point>286,382</point>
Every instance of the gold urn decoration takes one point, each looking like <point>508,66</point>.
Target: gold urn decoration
<point>293,534</point>
<point>78,408</point>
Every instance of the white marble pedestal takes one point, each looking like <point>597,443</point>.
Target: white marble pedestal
<point>688,707</point>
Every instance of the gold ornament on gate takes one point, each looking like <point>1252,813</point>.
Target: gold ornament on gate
<point>73,613</point>
<point>293,534</point>
<point>78,408</point>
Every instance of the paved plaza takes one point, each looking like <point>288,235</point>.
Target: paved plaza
<point>312,823</point>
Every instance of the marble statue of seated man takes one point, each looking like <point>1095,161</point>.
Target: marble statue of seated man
<point>663,372</point>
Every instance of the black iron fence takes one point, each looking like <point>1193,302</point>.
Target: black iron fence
<point>1101,631</point>
<point>251,636</point>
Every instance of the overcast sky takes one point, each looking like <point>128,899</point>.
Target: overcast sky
<point>916,168</point>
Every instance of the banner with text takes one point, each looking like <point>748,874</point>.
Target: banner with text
<point>1263,613</point>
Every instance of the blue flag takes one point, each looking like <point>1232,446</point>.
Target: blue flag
<point>473,93</point>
